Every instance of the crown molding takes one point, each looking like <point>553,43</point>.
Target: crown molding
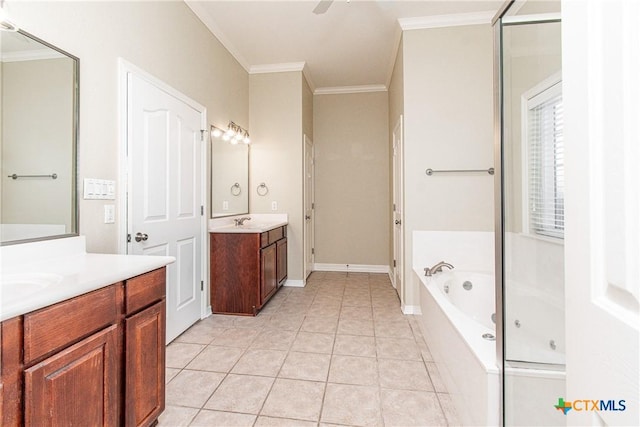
<point>31,55</point>
<point>277,68</point>
<point>307,76</point>
<point>200,11</point>
<point>394,55</point>
<point>338,90</point>
<point>452,20</point>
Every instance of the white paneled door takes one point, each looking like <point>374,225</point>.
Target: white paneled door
<point>601,65</point>
<point>165,199</point>
<point>398,202</point>
<point>308,208</point>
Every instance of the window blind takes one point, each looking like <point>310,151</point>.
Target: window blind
<point>546,166</point>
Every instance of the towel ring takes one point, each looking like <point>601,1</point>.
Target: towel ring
<point>236,189</point>
<point>262,189</point>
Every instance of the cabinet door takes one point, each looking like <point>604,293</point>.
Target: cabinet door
<point>268,279</point>
<point>77,386</point>
<point>144,365</point>
<point>282,260</point>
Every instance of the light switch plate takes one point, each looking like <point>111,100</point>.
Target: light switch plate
<point>225,205</point>
<point>274,206</point>
<point>109,214</point>
<point>99,189</point>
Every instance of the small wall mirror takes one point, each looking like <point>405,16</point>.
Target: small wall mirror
<point>38,139</point>
<point>229,178</point>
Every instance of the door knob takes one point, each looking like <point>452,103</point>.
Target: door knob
<point>307,217</point>
<point>141,237</point>
<point>398,222</point>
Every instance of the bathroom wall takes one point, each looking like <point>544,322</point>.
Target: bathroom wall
<point>352,179</point>
<point>170,43</point>
<point>448,112</point>
<point>276,110</point>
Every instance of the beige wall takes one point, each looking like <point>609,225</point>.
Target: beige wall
<point>352,178</point>
<point>163,38</point>
<point>276,109</point>
<point>37,136</point>
<point>307,109</point>
<point>448,106</point>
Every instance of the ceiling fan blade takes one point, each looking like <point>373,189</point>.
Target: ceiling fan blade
<point>322,7</point>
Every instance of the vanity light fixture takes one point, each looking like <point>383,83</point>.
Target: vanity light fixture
<point>233,134</point>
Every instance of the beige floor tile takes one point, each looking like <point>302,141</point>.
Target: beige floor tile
<point>356,301</point>
<point>355,327</point>
<point>294,399</point>
<point>216,358</point>
<point>240,393</point>
<point>321,324</point>
<point>273,339</point>
<point>351,405</point>
<point>397,348</point>
<point>404,375</point>
<point>220,320</point>
<point>352,345</point>
<point>312,342</point>
<point>236,337</point>
<point>436,379</point>
<point>200,333</point>
<point>282,422</point>
<point>285,322</point>
<point>176,416</point>
<point>356,312</point>
<point>251,322</point>
<point>411,408</point>
<point>353,370</point>
<point>207,418</point>
<point>169,373</point>
<point>305,366</point>
<point>393,329</point>
<point>449,409</point>
<point>260,362</point>
<point>192,388</point>
<point>178,355</point>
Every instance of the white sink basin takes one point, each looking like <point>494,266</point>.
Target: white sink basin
<point>21,285</point>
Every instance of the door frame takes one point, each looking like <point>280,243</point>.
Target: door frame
<point>123,188</point>
<point>308,140</point>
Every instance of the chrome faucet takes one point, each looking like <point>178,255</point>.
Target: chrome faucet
<point>437,268</point>
<point>240,221</point>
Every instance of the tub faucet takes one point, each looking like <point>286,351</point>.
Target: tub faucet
<point>240,221</point>
<point>437,268</point>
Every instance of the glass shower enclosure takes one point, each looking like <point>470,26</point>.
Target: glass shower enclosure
<point>529,211</point>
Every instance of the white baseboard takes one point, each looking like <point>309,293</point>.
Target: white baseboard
<point>352,268</point>
<point>294,283</point>
<point>207,312</point>
<point>411,309</point>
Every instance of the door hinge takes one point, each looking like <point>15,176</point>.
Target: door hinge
<point>201,210</point>
<point>202,285</point>
<point>313,205</point>
<point>128,238</point>
<point>202,131</point>
<point>313,251</point>
<point>394,262</point>
<point>394,207</point>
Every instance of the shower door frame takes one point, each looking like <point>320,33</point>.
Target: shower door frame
<point>499,209</point>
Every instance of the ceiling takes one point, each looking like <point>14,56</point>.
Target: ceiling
<point>352,44</point>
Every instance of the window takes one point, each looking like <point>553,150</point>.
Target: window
<point>543,130</point>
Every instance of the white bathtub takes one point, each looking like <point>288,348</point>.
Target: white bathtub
<point>453,323</point>
<point>454,319</point>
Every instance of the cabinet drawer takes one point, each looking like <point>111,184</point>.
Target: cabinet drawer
<point>144,290</point>
<point>59,325</point>
<point>276,234</point>
<point>264,239</point>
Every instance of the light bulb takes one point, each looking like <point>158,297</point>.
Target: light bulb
<point>246,140</point>
<point>216,133</point>
<point>226,137</point>
<point>238,136</point>
<point>234,141</point>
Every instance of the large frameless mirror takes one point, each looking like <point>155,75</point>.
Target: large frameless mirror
<point>39,132</point>
<point>229,177</point>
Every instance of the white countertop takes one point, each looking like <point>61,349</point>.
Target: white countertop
<point>259,223</point>
<point>36,275</point>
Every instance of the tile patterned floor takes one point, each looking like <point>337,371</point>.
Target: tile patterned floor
<point>338,352</point>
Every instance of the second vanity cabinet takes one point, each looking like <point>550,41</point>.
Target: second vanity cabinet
<point>246,270</point>
<point>97,359</point>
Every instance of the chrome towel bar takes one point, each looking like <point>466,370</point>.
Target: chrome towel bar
<point>16,176</point>
<point>430,171</point>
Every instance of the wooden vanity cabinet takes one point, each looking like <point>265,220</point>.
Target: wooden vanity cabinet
<point>246,270</point>
<point>96,359</point>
